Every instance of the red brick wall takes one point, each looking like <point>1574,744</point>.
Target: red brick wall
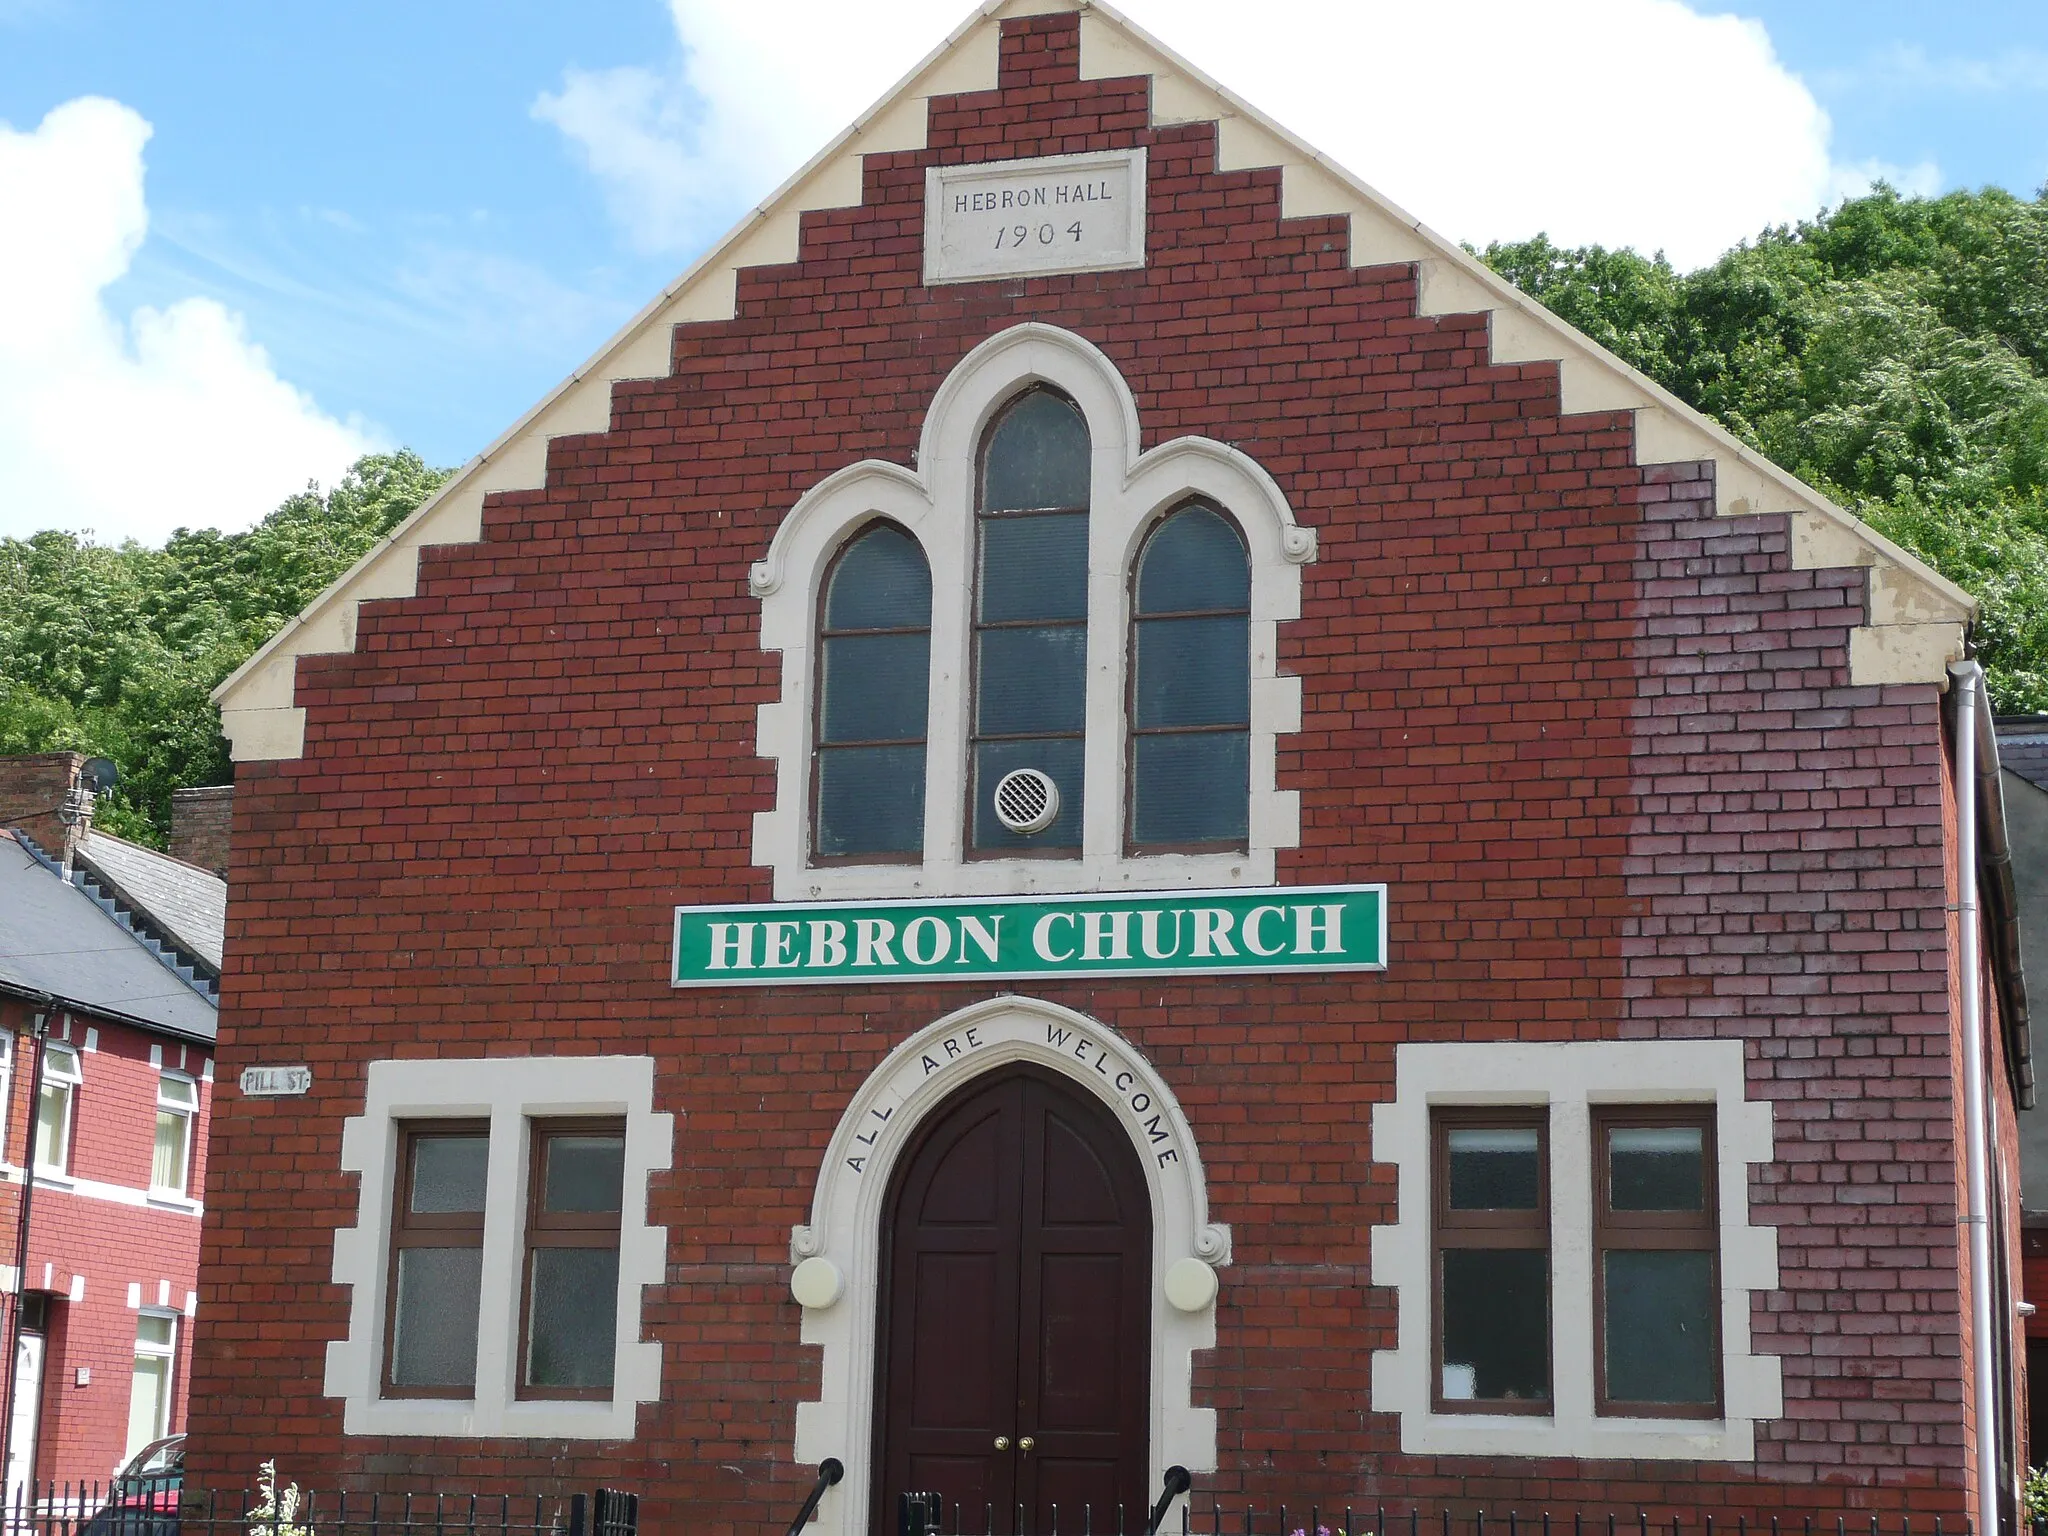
<point>110,1243</point>
<point>1600,743</point>
<point>200,820</point>
<point>32,791</point>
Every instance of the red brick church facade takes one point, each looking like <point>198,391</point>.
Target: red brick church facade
<point>1662,794</point>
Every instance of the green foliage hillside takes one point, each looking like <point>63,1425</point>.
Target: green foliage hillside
<point>1892,353</point>
<point>113,651</point>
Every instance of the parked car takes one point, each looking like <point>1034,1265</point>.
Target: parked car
<point>143,1500</point>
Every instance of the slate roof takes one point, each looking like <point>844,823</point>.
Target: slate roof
<point>2023,747</point>
<point>187,904</point>
<point>56,939</point>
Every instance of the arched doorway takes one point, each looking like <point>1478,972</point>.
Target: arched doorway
<point>1014,1314</point>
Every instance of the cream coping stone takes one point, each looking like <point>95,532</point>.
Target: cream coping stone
<point>257,701</point>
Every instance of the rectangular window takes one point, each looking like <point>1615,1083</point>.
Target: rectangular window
<point>177,1101</point>
<point>1656,1282</point>
<point>1491,1235</point>
<point>56,1107</point>
<point>437,1255</point>
<point>570,1305</point>
<point>149,1393</point>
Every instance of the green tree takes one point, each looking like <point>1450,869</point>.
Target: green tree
<point>114,650</point>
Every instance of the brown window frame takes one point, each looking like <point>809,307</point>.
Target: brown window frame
<point>1506,1230</point>
<point>976,625</point>
<point>1133,849</point>
<point>429,1229</point>
<point>819,746</point>
<point>562,1229</point>
<point>1646,1231</point>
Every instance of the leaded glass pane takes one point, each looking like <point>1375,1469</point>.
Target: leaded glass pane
<point>870,800</point>
<point>433,1330</point>
<point>572,1324</point>
<point>1060,760</point>
<point>584,1173</point>
<point>1194,563</point>
<point>1193,672</point>
<point>1037,456</point>
<point>1032,680</point>
<point>448,1173</point>
<point>881,582</point>
<point>1034,568</point>
<point>877,687</point>
<point>1660,1327</point>
<point>1496,1322</point>
<point>1657,1168</point>
<point>1495,1169</point>
<point>1190,788</point>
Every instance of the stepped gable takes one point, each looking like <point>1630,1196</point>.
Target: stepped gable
<point>185,905</point>
<point>1912,621</point>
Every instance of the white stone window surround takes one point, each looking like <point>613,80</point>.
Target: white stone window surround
<point>1570,1077</point>
<point>509,1092</point>
<point>848,1207</point>
<point>935,503</point>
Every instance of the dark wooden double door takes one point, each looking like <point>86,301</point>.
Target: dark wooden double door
<point>1015,1321</point>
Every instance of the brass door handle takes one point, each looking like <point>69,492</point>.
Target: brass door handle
<point>1002,1442</point>
<point>1026,1443</point>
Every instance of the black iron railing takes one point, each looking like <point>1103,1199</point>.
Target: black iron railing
<point>161,1507</point>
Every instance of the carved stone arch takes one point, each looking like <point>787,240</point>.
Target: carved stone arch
<point>848,1207</point>
<point>935,501</point>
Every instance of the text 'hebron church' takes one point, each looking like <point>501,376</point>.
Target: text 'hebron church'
<point>1093,807</point>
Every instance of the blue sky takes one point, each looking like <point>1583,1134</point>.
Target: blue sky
<point>425,215</point>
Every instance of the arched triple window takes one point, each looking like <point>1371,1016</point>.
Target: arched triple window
<point>1190,686</point>
<point>874,671</point>
<point>1030,700</point>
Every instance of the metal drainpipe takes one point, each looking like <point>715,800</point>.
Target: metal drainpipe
<point>1969,679</point>
<point>38,1032</point>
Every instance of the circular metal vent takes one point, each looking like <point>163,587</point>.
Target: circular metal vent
<point>1026,800</point>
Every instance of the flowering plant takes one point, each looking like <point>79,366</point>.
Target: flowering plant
<point>276,1514</point>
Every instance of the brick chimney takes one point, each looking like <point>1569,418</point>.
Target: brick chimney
<point>200,821</point>
<point>33,790</point>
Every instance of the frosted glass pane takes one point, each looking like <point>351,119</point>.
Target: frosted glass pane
<point>1034,568</point>
<point>1032,680</point>
<point>52,1111</point>
<point>148,1397</point>
<point>433,1336</point>
<point>870,800</point>
<point>876,687</point>
<point>1657,1168</point>
<point>1192,564</point>
<point>1660,1327</point>
<point>1037,456</point>
<point>571,1332</point>
<point>1192,789</point>
<point>881,582</point>
<point>1496,1322</point>
<point>167,1165</point>
<point>448,1173</point>
<point>1494,1170</point>
<point>1194,672</point>
<point>154,1328</point>
<point>585,1173</point>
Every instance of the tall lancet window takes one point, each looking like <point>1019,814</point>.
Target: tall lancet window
<point>874,670</point>
<point>1190,694</point>
<point>1030,631</point>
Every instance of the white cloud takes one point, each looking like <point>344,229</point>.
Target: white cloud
<point>1626,122</point>
<point>128,428</point>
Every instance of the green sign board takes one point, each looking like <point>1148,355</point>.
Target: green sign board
<point>1168,933</point>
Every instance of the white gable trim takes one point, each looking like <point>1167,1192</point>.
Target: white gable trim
<point>847,1211</point>
<point>935,504</point>
<point>1916,618</point>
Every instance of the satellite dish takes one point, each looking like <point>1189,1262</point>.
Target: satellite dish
<point>99,774</point>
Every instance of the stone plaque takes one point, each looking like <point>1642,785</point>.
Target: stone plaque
<point>1024,218</point>
<point>276,1082</point>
